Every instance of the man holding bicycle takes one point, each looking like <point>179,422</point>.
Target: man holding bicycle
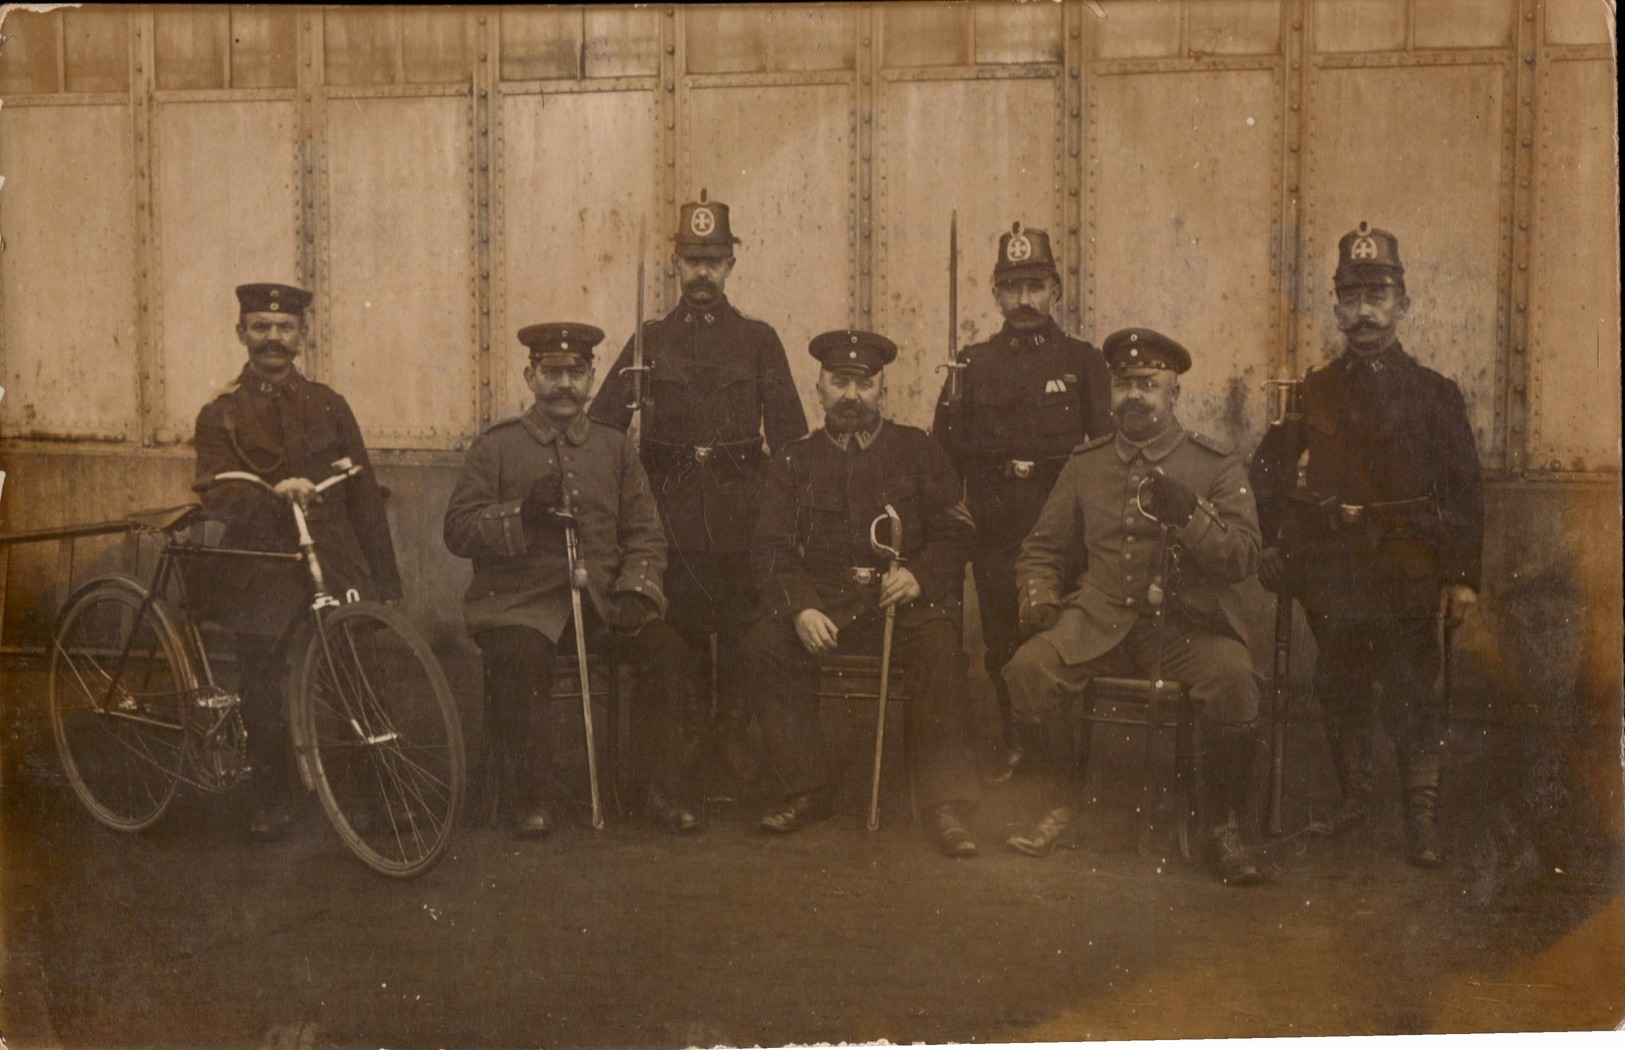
<point>529,487</point>
<point>291,432</point>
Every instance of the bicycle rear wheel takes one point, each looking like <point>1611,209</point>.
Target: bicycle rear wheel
<point>381,738</point>
<point>122,745</point>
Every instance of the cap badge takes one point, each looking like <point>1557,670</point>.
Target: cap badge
<point>854,340</point>
<point>563,345</point>
<point>1363,248</point>
<point>702,222</point>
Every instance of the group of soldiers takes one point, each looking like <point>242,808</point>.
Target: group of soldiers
<point>703,520</point>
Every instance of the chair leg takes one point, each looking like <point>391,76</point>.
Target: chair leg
<point>1148,770</point>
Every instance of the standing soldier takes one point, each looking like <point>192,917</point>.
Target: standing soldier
<point>826,591</point>
<point>273,422</point>
<point>1026,398</point>
<point>1097,569</point>
<point>521,481</point>
<point>718,381</point>
<point>1382,542</point>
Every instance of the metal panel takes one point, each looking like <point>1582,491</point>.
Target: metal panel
<point>926,34</point>
<point>434,45</point>
<point>1135,29</point>
<point>400,298</point>
<point>1008,33</point>
<point>31,57</point>
<point>761,38</point>
<point>96,48</point>
<point>1234,27</point>
<point>782,159</point>
<point>361,45</point>
<point>1441,186</point>
<point>68,331</point>
<point>190,46</point>
<point>1465,23</point>
<point>541,43</point>
<point>989,147</point>
<point>1575,360</point>
<point>264,47</point>
<point>1183,234</point>
<point>622,41</point>
<point>1578,22</point>
<point>227,197</point>
<point>576,173</point>
<point>1359,25</point>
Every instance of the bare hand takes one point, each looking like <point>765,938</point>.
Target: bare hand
<point>1455,602</point>
<point>1272,570</point>
<point>898,587</point>
<point>296,490</point>
<point>817,632</point>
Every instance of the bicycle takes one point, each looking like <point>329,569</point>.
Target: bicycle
<point>136,711</point>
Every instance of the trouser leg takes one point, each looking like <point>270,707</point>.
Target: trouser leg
<point>519,680</point>
<point>1342,683</point>
<point>669,709</point>
<point>994,570</point>
<point>784,677</point>
<point>938,711</point>
<point>261,670</point>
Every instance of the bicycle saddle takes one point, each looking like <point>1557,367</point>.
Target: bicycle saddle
<point>166,520</point>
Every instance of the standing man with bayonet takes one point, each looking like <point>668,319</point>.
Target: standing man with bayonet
<point>1011,411</point>
<point>1383,541</point>
<point>556,513</point>
<point>714,384</point>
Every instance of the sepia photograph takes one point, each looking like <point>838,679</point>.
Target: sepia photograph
<point>771,524</point>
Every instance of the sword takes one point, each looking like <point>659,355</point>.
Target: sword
<point>894,553</point>
<point>578,583</point>
<point>954,366</point>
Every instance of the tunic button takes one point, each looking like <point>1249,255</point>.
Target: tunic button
<point>1129,520</point>
<point>1131,601</point>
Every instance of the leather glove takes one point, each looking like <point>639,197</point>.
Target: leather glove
<point>1172,502</point>
<point>629,611</point>
<point>544,497</point>
<point>1272,570</point>
<point>1036,618</point>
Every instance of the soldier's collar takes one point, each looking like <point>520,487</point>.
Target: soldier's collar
<point>703,314</point>
<point>1048,332</point>
<point>255,383</point>
<point>544,430</point>
<point>1155,449</point>
<point>1383,359</point>
<point>864,438</point>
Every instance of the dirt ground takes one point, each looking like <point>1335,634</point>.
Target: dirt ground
<point>189,935</point>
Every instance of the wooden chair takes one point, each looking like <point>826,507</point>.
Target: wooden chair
<point>1155,706</point>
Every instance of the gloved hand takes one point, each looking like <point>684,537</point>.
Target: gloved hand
<point>1037,618</point>
<point>1272,570</point>
<point>1172,502</point>
<point>629,611</point>
<point>544,497</point>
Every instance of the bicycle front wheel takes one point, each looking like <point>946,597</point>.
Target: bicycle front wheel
<point>119,689</point>
<point>381,738</point>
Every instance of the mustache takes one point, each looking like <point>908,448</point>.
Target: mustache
<point>699,283</point>
<point>1025,313</point>
<point>275,344</point>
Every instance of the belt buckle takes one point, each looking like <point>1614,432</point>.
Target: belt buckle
<point>1021,468</point>
<point>863,575</point>
<point>1350,513</point>
<point>702,454</point>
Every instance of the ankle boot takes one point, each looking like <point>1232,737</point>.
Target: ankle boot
<point>1227,791</point>
<point>1351,757</point>
<point>1051,751</point>
<point>1421,773</point>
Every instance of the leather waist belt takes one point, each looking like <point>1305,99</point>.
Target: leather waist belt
<point>1019,468</point>
<point>1356,513</point>
<point>659,455</point>
<point>865,575</point>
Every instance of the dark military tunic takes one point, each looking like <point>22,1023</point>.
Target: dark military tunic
<point>812,551</point>
<point>1093,553</point>
<point>1392,507</point>
<point>1026,399</point>
<point>293,429</point>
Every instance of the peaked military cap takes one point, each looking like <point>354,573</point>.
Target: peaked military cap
<point>1142,351</point>
<point>850,348</point>
<point>702,230</point>
<point>1024,253</point>
<point>560,338</point>
<point>1366,256</point>
<point>272,299</point>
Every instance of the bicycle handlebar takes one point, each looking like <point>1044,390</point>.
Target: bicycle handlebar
<point>349,471</point>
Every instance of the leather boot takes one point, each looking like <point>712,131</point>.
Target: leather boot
<point>1051,750</point>
<point>1226,791</point>
<point>1351,757</point>
<point>1421,776</point>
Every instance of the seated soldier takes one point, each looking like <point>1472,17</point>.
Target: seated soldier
<point>522,480</point>
<point>1111,506</point>
<point>825,591</point>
